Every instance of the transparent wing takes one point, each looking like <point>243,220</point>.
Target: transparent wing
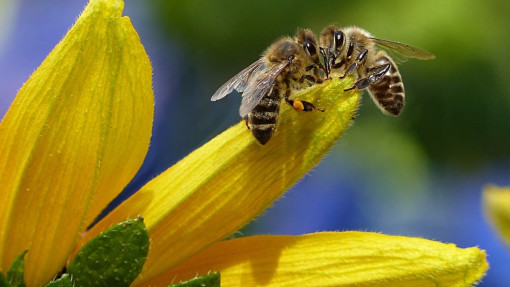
<point>404,50</point>
<point>257,89</point>
<point>240,81</point>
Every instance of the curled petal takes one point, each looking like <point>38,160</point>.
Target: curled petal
<point>224,184</point>
<point>75,135</point>
<point>333,259</point>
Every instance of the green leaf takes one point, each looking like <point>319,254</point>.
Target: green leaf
<point>114,257</point>
<point>17,271</point>
<point>209,280</point>
<point>64,281</point>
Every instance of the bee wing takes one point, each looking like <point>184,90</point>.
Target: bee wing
<point>260,87</point>
<point>407,51</point>
<point>240,81</point>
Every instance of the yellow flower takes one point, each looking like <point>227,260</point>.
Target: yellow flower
<point>334,259</point>
<point>79,130</point>
<point>75,135</point>
<point>496,203</point>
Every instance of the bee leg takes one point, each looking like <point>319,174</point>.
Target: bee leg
<point>337,65</point>
<point>360,84</point>
<point>302,106</point>
<point>246,122</point>
<point>334,66</point>
<point>315,76</point>
<point>310,78</point>
<point>309,68</point>
<point>298,105</point>
<point>376,73</point>
<point>308,107</point>
<point>353,66</point>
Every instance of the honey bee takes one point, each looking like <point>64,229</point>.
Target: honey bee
<point>354,50</point>
<point>288,64</point>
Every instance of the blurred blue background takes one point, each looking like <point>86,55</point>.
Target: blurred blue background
<point>417,175</point>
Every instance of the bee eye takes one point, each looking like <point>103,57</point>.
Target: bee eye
<point>310,47</point>
<point>339,39</point>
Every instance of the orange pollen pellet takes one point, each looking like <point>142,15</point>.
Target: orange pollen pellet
<point>298,105</point>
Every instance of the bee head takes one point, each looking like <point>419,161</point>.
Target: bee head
<point>306,39</point>
<point>332,41</point>
<point>284,49</point>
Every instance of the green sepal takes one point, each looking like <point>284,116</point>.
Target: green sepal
<point>209,280</point>
<point>17,271</point>
<point>64,281</point>
<point>114,257</point>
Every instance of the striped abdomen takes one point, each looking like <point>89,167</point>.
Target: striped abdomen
<point>264,116</point>
<point>388,92</point>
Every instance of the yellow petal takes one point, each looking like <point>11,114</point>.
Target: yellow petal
<point>75,135</point>
<point>496,203</point>
<point>228,181</point>
<point>334,259</point>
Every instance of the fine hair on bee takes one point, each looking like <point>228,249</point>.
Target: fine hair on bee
<point>353,50</point>
<point>287,65</point>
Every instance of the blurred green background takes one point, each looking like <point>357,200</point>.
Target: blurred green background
<point>456,105</point>
<point>420,174</point>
